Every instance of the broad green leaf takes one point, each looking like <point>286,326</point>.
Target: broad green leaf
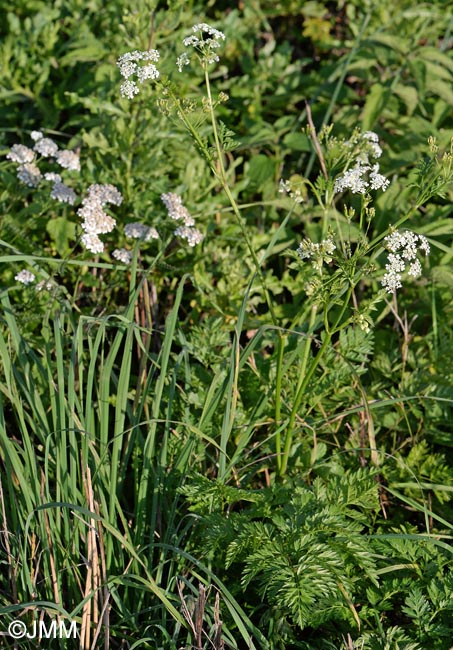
<point>61,230</point>
<point>375,102</point>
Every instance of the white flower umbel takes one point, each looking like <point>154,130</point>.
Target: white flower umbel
<point>176,209</point>
<point>29,174</point>
<point>46,147</point>
<point>19,153</point>
<point>122,255</point>
<point>25,277</point>
<point>68,160</point>
<point>402,257</point>
<point>138,230</point>
<point>92,243</point>
<point>205,40</point>
<point>63,193</point>
<point>192,235</point>
<point>360,179</point>
<point>95,220</point>
<point>129,66</point>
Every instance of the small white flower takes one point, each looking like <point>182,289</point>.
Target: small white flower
<point>128,89</point>
<point>403,247</point>
<point>319,253</point>
<point>68,160</point>
<point>415,269</point>
<point>353,180</point>
<point>36,135</point>
<point>138,230</point>
<point>19,153</point>
<point>191,40</point>
<point>46,147</point>
<point>95,220</point>
<point>122,255</point>
<point>52,177</point>
<point>106,193</point>
<point>378,181</point>
<point>127,69</point>
<point>147,72</point>
<point>176,209</point>
<point>211,31</point>
<point>63,193</point>
<point>29,174</point>
<point>92,243</point>
<point>182,60</point>
<point>191,235</point>
<point>128,66</point>
<point>205,39</point>
<point>25,277</point>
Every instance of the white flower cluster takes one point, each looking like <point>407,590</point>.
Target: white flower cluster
<point>402,257</point>
<point>135,230</point>
<point>138,230</point>
<point>368,142</point>
<point>206,40</point>
<point>364,175</point>
<point>361,178</point>
<point>318,253</point>
<point>286,187</point>
<point>178,212</point>
<point>95,220</point>
<point>122,255</point>
<point>25,277</point>
<point>128,65</point>
<point>29,173</point>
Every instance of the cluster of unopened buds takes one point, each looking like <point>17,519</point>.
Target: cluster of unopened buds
<point>319,254</point>
<point>287,187</point>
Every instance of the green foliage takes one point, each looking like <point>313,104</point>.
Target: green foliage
<point>242,443</point>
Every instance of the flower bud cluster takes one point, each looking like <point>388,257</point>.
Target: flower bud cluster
<point>287,187</point>
<point>318,253</point>
<point>402,257</point>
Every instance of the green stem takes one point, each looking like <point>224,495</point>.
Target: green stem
<point>222,177</point>
<point>278,395</point>
<point>306,379</point>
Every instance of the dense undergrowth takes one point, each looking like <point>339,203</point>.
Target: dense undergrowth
<point>226,325</point>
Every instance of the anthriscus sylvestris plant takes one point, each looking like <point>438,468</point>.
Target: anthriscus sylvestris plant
<point>333,267</point>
